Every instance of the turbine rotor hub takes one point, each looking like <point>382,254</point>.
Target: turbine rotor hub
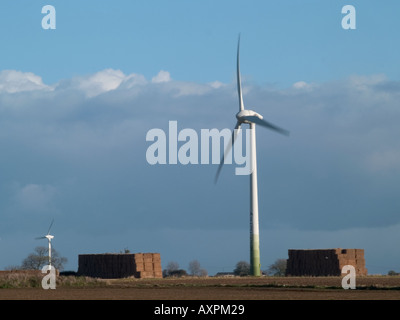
<point>243,114</point>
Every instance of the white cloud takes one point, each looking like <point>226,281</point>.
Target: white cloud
<point>105,81</point>
<point>101,82</point>
<point>190,88</point>
<point>162,76</point>
<point>216,84</point>
<point>364,82</point>
<point>300,85</point>
<point>12,81</point>
<point>133,80</point>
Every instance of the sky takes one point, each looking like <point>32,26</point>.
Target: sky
<point>77,101</point>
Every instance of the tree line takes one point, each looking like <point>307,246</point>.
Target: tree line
<point>242,268</point>
<point>39,258</point>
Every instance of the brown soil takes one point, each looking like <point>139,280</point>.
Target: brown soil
<point>248,288</point>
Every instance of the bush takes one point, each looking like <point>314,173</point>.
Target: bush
<point>278,268</point>
<point>242,269</point>
<point>177,273</point>
<point>78,281</point>
<point>31,279</point>
<point>20,280</point>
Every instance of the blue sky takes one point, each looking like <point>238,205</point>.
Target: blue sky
<point>194,40</point>
<point>76,104</point>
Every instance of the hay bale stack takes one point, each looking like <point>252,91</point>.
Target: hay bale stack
<point>324,262</point>
<point>111,266</point>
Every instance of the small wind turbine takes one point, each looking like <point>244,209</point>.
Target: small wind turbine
<point>49,237</point>
<point>252,118</point>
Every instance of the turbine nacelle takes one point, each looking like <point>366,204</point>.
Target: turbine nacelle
<point>243,116</point>
<point>49,237</point>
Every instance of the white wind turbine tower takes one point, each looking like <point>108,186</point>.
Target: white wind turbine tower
<point>49,237</point>
<point>252,118</point>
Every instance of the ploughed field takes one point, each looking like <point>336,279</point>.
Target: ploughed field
<point>212,288</point>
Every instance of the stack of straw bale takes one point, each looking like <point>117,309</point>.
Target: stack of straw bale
<point>111,266</point>
<point>324,262</point>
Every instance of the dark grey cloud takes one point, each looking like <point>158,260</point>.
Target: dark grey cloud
<point>76,150</point>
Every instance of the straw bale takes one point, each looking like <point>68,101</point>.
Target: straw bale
<point>157,268</point>
<point>140,267</point>
<point>138,256</point>
<point>148,266</point>
<point>156,257</point>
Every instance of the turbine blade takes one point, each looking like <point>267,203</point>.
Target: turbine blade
<point>39,238</point>
<point>266,124</point>
<point>229,147</point>
<point>239,81</point>
<point>51,224</point>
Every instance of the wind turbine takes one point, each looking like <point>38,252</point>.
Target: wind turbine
<point>49,237</point>
<point>246,116</point>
